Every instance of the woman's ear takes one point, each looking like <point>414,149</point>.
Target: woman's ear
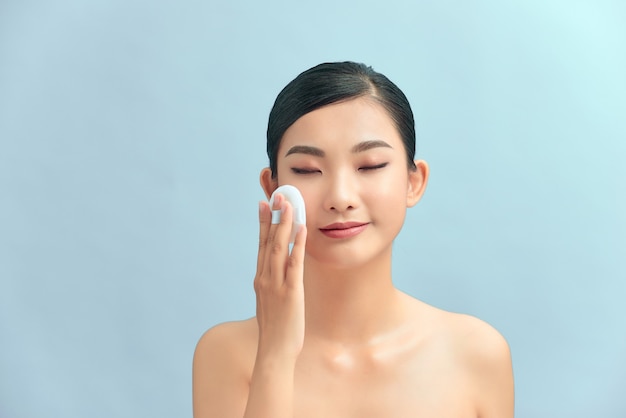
<point>268,183</point>
<point>418,179</point>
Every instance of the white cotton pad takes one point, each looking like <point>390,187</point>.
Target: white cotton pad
<point>294,197</point>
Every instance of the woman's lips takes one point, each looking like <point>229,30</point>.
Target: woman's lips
<point>343,230</point>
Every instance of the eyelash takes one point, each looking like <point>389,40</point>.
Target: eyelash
<point>305,171</point>
<point>373,167</point>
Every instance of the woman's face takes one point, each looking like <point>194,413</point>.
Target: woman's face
<point>349,163</point>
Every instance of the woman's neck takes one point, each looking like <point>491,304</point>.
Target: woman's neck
<point>351,305</point>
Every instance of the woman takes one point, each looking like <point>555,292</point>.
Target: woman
<point>332,336</point>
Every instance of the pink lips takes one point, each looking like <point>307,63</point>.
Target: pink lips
<point>343,229</point>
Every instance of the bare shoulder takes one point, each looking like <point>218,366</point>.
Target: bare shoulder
<point>228,337</point>
<point>471,337</point>
<point>477,340</point>
<point>481,356</point>
<point>484,354</point>
<point>222,366</point>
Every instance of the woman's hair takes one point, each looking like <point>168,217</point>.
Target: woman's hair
<point>336,82</point>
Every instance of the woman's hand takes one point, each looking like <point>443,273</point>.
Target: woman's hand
<point>279,285</point>
<point>280,313</point>
<point>219,372</point>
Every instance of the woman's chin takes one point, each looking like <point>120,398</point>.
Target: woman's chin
<point>345,259</point>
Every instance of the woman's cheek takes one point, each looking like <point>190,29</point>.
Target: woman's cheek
<point>310,202</point>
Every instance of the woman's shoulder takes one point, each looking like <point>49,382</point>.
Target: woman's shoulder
<point>222,366</point>
<point>477,340</point>
<point>227,330</point>
<point>468,333</point>
<point>475,345</point>
<point>229,337</point>
<point>482,354</point>
<point>228,346</point>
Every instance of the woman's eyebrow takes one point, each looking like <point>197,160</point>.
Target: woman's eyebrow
<point>367,145</point>
<point>318,152</point>
<point>306,149</point>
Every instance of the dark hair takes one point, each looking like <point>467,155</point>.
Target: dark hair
<point>335,82</point>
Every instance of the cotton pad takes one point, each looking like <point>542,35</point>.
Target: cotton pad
<point>293,196</point>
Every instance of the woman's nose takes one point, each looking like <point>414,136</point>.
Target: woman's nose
<point>341,194</point>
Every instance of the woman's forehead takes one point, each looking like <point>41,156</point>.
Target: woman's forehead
<point>342,125</point>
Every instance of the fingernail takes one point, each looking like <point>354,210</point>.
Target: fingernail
<point>277,202</point>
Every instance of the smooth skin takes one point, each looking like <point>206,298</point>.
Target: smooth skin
<point>332,336</point>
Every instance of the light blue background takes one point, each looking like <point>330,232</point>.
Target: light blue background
<point>131,138</point>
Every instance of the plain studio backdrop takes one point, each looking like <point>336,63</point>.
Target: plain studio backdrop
<point>132,134</point>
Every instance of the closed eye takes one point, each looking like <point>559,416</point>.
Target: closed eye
<point>372,167</point>
<point>297,170</point>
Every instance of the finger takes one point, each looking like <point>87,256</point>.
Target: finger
<point>264,231</point>
<point>271,232</point>
<point>279,250</point>
<point>295,263</point>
